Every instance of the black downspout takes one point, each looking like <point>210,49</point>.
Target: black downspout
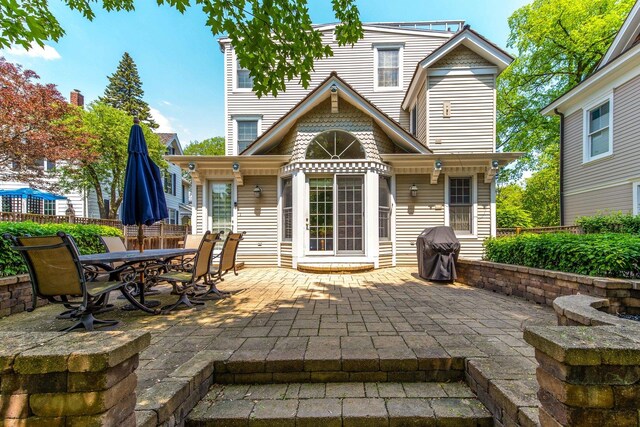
<point>561,165</point>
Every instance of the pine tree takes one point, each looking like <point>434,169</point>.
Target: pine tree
<point>124,91</point>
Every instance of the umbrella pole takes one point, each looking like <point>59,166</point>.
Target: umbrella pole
<point>140,238</point>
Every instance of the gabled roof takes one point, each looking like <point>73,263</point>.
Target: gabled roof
<point>626,37</point>
<point>465,37</point>
<point>279,129</point>
<point>167,138</point>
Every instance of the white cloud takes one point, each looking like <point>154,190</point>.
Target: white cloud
<point>167,103</point>
<point>48,53</point>
<point>163,122</point>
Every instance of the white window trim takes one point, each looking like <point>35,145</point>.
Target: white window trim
<point>636,202</point>
<point>400,47</point>
<point>243,118</point>
<point>586,146</point>
<point>474,203</point>
<point>234,74</point>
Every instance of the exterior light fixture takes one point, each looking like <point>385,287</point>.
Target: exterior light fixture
<point>257,192</point>
<point>235,167</point>
<point>413,190</point>
<point>495,164</point>
<point>438,164</point>
<point>334,88</point>
<point>192,166</point>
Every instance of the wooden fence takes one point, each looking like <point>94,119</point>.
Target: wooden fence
<point>157,236</point>
<point>573,229</point>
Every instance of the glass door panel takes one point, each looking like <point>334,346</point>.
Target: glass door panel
<point>221,206</point>
<point>350,214</point>
<point>321,214</point>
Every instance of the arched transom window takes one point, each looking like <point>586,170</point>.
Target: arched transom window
<point>335,144</point>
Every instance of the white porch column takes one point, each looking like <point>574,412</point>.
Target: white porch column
<point>298,226</point>
<point>194,207</point>
<point>372,240</point>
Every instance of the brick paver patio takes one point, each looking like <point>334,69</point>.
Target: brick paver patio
<point>286,326</point>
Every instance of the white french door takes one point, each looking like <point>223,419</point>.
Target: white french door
<point>335,217</point>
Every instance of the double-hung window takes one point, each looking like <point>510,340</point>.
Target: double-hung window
<point>170,183</point>
<point>243,78</point>
<point>247,132</point>
<point>49,207</point>
<point>598,141</point>
<point>384,208</point>
<point>287,209</point>
<point>461,204</point>
<point>388,70</point>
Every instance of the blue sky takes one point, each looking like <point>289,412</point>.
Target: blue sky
<point>179,60</point>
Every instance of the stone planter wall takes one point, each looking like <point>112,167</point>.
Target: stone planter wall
<point>15,295</point>
<point>76,379</point>
<point>544,286</point>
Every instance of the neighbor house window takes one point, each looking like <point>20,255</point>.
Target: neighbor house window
<point>170,183</point>
<point>49,207</point>
<point>598,132</point>
<point>11,204</point>
<point>247,132</point>
<point>173,216</point>
<point>414,120</point>
<point>460,204</point>
<point>388,67</point>
<point>243,77</point>
<point>636,198</point>
<point>384,208</point>
<point>287,209</point>
<point>221,207</point>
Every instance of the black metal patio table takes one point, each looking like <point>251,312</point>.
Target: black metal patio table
<point>135,258</point>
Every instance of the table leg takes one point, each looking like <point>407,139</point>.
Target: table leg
<point>135,304</point>
<point>148,305</point>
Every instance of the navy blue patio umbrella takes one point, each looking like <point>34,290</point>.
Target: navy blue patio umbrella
<point>144,202</point>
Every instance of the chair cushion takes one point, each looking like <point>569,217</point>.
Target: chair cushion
<point>98,288</point>
<point>178,276</point>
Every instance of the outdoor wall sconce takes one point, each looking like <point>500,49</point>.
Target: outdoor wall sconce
<point>438,164</point>
<point>192,167</point>
<point>257,192</point>
<point>495,164</point>
<point>235,167</point>
<point>413,190</point>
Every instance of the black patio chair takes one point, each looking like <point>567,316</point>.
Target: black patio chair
<point>184,282</point>
<point>226,262</point>
<point>58,276</point>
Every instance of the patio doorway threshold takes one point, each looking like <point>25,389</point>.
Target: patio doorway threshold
<point>335,268</point>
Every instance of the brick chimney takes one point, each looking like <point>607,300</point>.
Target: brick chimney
<point>76,98</point>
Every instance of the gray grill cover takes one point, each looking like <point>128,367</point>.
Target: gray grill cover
<point>438,250</point>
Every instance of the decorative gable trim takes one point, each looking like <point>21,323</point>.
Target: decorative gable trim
<point>626,37</point>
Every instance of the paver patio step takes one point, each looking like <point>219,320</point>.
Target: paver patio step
<point>340,404</point>
<point>335,268</point>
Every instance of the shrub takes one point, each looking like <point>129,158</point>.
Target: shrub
<point>513,216</point>
<point>86,237</point>
<point>612,223</point>
<point>609,255</point>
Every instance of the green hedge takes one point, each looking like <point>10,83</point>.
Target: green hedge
<point>612,223</point>
<point>609,255</point>
<point>86,237</point>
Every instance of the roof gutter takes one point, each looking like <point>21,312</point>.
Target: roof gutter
<point>561,165</point>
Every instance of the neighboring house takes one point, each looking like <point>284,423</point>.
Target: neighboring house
<point>85,203</point>
<point>600,132</point>
<point>394,134</point>
<point>176,188</point>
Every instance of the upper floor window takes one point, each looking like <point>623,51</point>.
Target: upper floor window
<point>413,125</point>
<point>243,77</point>
<point>388,67</point>
<point>170,183</point>
<point>247,132</point>
<point>598,132</point>
<point>335,144</point>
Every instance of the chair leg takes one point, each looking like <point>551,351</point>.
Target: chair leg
<point>89,322</point>
<point>183,300</point>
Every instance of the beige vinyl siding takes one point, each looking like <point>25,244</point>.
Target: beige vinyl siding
<point>422,115</point>
<point>385,256</point>
<point>414,214</point>
<point>472,247</point>
<point>471,125</point>
<point>286,258</point>
<point>619,168</point>
<point>259,219</point>
<point>611,199</point>
<point>353,64</point>
<point>200,219</point>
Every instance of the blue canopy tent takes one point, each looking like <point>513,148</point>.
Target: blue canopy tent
<point>143,202</point>
<point>30,192</point>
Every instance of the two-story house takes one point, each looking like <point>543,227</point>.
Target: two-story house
<point>176,188</point>
<point>600,132</point>
<point>395,134</point>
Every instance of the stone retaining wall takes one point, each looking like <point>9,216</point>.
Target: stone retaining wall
<point>78,379</point>
<point>544,286</point>
<point>15,295</point>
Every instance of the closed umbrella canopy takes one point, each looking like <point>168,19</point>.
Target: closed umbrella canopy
<point>144,201</point>
<point>30,192</point>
